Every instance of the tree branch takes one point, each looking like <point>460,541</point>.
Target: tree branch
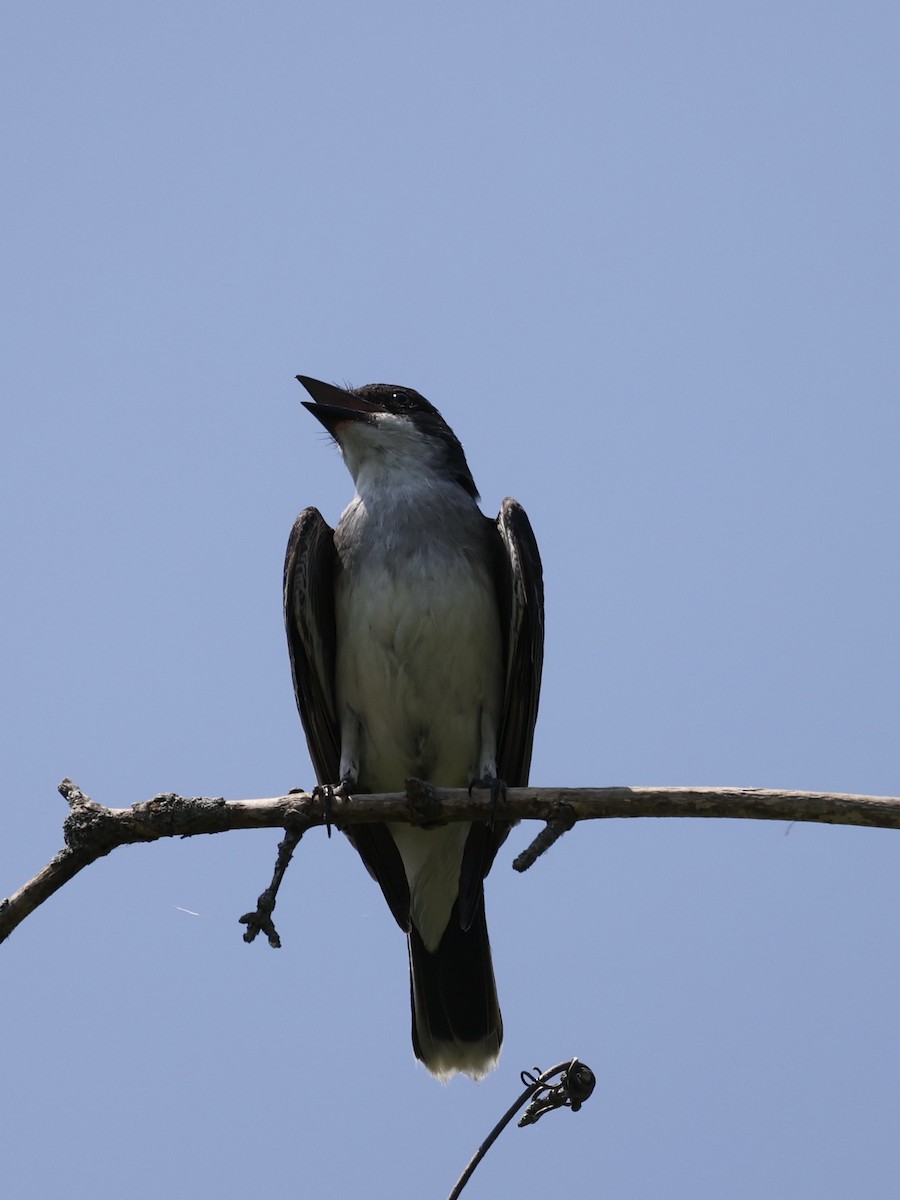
<point>92,831</point>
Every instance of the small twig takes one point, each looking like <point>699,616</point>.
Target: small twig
<point>261,921</point>
<point>574,1087</point>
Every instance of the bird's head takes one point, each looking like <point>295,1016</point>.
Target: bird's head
<point>389,433</point>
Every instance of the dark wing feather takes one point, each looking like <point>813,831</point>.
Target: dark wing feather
<point>519,580</point>
<point>522,610</point>
<point>309,572</point>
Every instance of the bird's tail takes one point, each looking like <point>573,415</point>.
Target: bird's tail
<point>456,1025</point>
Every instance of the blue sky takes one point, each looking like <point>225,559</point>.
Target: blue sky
<point>644,258</point>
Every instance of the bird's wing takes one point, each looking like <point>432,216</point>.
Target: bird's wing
<point>519,580</point>
<point>309,571</point>
<point>522,615</point>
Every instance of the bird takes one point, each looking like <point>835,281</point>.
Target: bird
<point>416,638</point>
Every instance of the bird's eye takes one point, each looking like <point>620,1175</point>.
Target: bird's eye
<point>401,399</point>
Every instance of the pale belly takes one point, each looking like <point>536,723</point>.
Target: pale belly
<point>419,673</point>
<point>419,687</point>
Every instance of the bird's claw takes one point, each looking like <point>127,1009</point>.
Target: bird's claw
<point>497,788</point>
<point>326,792</point>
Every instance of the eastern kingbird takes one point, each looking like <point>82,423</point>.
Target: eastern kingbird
<point>416,635</point>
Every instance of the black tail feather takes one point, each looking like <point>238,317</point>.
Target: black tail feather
<point>456,1024</point>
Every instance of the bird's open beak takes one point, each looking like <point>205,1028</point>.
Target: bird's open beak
<point>331,404</point>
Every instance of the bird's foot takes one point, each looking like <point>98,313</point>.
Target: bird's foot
<point>326,792</point>
<point>497,788</point>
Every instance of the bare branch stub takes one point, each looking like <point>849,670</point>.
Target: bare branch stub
<point>561,822</point>
<point>424,804</point>
<point>261,921</point>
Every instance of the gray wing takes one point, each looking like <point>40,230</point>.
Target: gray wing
<point>519,580</point>
<point>310,567</point>
<point>309,570</point>
<point>522,614</point>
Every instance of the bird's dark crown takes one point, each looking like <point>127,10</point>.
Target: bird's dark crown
<point>406,402</point>
<point>398,401</point>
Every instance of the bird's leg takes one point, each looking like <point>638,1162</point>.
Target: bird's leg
<point>497,788</point>
<point>326,792</point>
<point>348,768</point>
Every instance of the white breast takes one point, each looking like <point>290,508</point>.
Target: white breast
<point>418,664</point>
